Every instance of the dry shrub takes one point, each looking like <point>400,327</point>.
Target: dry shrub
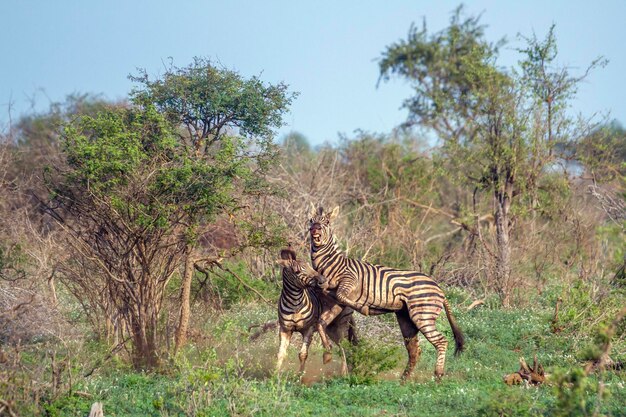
<point>397,210</point>
<point>28,317</point>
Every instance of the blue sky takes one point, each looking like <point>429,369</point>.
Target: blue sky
<point>325,50</point>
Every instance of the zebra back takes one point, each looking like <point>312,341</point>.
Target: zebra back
<point>375,285</point>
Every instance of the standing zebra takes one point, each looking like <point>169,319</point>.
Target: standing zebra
<point>300,306</point>
<point>415,298</point>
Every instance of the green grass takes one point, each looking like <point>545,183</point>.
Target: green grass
<point>226,374</point>
<point>140,395</point>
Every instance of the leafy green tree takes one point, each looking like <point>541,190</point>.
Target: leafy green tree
<point>216,110</point>
<point>118,198</point>
<point>500,129</point>
<point>139,184</point>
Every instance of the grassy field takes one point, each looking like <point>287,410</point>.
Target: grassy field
<point>223,373</point>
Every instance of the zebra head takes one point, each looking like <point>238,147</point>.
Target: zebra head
<point>320,227</point>
<point>297,273</point>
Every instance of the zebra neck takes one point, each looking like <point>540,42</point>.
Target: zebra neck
<point>330,250</point>
<point>293,298</point>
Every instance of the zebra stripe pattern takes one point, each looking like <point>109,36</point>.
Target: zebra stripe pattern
<point>299,308</point>
<point>416,298</point>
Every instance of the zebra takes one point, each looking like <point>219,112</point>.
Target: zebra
<point>299,308</point>
<point>415,298</point>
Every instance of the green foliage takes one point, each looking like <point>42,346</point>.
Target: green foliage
<point>368,359</point>
<point>573,390</point>
<point>387,172</point>
<point>142,183</point>
<point>209,101</point>
<point>442,68</point>
<point>509,402</point>
<point>386,165</point>
<point>220,378</point>
<point>232,291</point>
<point>613,235</point>
<point>131,158</point>
<point>111,146</point>
<point>499,128</point>
<point>105,151</point>
<point>586,308</point>
<point>502,131</point>
<point>224,126</point>
<point>603,152</point>
<point>200,189</point>
<point>263,230</point>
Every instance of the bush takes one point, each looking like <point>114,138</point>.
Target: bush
<point>574,392</point>
<point>368,359</point>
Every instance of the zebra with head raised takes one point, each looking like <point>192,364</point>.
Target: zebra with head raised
<point>415,298</point>
<point>300,306</point>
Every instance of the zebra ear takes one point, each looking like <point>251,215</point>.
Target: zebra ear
<point>313,211</point>
<point>334,213</point>
<point>287,254</point>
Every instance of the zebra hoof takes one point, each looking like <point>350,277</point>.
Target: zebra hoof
<point>406,376</point>
<point>365,310</point>
<point>327,357</point>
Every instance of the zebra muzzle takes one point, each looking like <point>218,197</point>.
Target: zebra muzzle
<point>322,282</point>
<point>316,236</point>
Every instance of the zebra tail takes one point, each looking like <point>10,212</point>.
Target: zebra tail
<point>456,331</point>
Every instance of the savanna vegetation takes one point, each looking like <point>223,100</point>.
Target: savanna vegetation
<point>138,241</point>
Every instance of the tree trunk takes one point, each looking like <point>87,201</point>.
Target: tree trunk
<point>503,254</point>
<point>144,332</point>
<point>53,290</point>
<point>185,310</point>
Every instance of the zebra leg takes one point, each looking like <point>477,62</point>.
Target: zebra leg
<point>347,284</point>
<point>411,341</point>
<point>307,336</point>
<point>344,362</point>
<point>327,317</point>
<point>321,329</point>
<point>426,326</point>
<point>285,338</point>
<point>353,336</point>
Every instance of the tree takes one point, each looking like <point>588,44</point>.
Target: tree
<point>108,199</point>
<point>500,129</point>
<point>214,109</point>
<point>123,198</point>
<point>29,249</point>
<point>603,152</point>
<point>603,155</point>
